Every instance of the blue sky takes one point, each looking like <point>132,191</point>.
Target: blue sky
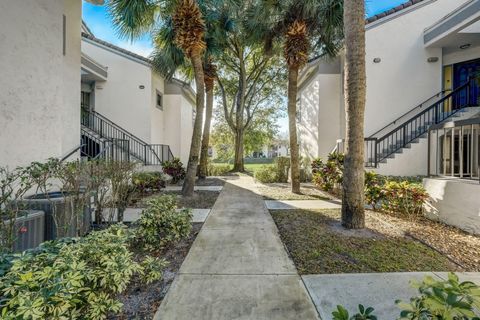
<point>98,21</point>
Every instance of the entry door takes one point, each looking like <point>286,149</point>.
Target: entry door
<point>462,72</point>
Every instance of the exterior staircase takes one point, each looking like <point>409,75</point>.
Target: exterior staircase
<point>409,132</point>
<point>102,138</point>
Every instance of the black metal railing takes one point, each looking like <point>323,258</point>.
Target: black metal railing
<point>103,135</point>
<point>378,149</point>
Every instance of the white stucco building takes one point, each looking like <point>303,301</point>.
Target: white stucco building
<point>39,81</point>
<point>122,87</point>
<point>422,112</point>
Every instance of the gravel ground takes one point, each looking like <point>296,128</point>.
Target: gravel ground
<point>459,246</point>
<point>141,301</point>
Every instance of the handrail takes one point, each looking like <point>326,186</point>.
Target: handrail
<point>406,113</point>
<point>68,155</point>
<point>136,147</point>
<point>113,124</point>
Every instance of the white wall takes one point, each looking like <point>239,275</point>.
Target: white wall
<point>120,98</point>
<point>454,202</point>
<point>158,118</point>
<point>403,79</point>
<point>322,115</point>
<point>40,87</point>
<point>461,55</point>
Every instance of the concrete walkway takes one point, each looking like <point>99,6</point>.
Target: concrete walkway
<point>377,290</point>
<point>237,268</point>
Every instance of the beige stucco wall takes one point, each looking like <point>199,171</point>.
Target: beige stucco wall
<point>120,98</point>
<point>40,91</point>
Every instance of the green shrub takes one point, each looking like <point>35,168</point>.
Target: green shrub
<point>441,300</point>
<point>373,189</point>
<point>403,197</point>
<point>73,278</point>
<point>266,174</point>
<point>174,168</point>
<point>328,175</point>
<point>218,170</point>
<point>146,182</point>
<point>282,166</point>
<point>161,224</point>
<point>438,300</point>
<point>363,314</point>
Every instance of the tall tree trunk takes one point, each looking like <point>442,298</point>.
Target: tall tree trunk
<point>292,125</point>
<point>353,210</point>
<point>206,134</point>
<point>189,183</point>
<point>238,163</point>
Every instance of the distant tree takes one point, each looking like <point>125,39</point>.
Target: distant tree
<point>306,28</point>
<point>353,209</point>
<point>261,132</point>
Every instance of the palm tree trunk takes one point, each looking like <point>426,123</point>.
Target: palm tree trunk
<point>353,210</point>
<point>189,183</point>
<point>292,125</point>
<point>206,134</point>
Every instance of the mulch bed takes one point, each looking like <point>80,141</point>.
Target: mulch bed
<point>319,244</point>
<point>141,301</point>
<point>282,191</point>
<point>199,200</point>
<point>459,246</point>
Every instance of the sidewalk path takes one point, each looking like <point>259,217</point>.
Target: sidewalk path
<point>237,268</point>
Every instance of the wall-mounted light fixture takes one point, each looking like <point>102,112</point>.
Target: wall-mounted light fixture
<point>432,59</point>
<point>465,46</point>
<point>141,87</point>
<point>377,60</point>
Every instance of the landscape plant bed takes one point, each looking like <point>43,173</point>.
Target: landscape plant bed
<point>141,301</point>
<point>318,244</point>
<point>458,245</point>
<point>282,191</point>
<point>199,200</point>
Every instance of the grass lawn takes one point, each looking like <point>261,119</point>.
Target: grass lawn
<point>282,191</point>
<point>318,244</point>
<point>251,167</point>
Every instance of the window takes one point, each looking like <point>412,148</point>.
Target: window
<point>159,100</point>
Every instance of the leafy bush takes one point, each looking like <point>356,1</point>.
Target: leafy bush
<point>439,300</point>
<point>74,278</point>
<point>146,182</point>
<point>174,169</point>
<point>403,197</point>
<point>218,170</point>
<point>373,189</point>
<point>282,166</point>
<point>364,314</point>
<point>328,176</point>
<point>161,224</point>
<point>266,174</point>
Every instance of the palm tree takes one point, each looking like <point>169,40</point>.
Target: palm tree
<point>305,27</point>
<point>167,59</point>
<point>210,71</point>
<point>353,211</point>
<point>135,17</point>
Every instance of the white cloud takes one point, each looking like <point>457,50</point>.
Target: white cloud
<point>138,48</point>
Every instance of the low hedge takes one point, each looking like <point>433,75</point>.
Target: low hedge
<point>278,172</point>
<point>392,194</point>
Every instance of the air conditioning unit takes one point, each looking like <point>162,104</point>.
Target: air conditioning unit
<point>29,230</point>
